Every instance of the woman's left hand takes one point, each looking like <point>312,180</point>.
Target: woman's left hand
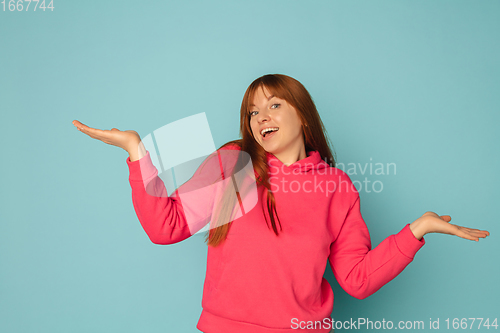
<point>431,222</point>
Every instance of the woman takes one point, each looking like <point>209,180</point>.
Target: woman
<point>265,269</point>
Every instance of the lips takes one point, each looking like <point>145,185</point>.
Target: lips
<point>272,128</point>
<point>269,135</point>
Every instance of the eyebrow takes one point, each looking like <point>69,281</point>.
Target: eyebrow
<point>268,99</point>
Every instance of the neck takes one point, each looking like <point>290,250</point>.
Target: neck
<point>291,156</point>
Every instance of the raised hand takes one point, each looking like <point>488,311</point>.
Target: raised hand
<point>431,222</point>
<point>124,139</point>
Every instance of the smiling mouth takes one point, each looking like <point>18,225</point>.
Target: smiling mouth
<point>268,135</point>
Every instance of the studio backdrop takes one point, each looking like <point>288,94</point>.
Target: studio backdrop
<point>407,90</point>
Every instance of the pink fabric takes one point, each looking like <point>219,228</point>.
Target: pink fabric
<point>257,282</point>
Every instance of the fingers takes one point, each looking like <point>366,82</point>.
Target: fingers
<point>464,233</point>
<point>474,230</point>
<point>472,234</point>
<point>92,132</point>
<point>78,124</point>
<point>475,233</point>
<point>81,127</point>
<point>479,233</point>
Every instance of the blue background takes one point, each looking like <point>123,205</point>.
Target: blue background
<point>413,83</point>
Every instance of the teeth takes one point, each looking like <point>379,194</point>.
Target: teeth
<point>265,130</point>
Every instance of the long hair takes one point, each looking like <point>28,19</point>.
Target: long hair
<point>315,138</point>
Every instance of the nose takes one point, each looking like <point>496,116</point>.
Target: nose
<point>263,116</point>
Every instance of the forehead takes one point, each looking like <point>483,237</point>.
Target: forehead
<point>260,95</point>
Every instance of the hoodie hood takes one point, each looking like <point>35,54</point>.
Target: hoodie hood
<point>313,161</point>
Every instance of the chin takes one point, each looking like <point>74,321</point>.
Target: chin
<point>271,150</point>
<point>270,147</point>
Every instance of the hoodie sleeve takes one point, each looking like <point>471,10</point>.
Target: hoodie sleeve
<point>160,215</point>
<point>169,219</point>
<point>360,270</point>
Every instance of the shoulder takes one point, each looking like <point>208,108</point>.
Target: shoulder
<point>336,174</point>
<point>341,174</point>
<point>344,186</point>
<point>231,145</point>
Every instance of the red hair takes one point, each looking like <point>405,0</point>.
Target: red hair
<point>315,138</point>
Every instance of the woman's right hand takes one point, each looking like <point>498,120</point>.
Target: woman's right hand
<point>128,140</point>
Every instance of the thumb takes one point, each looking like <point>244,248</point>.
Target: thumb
<point>446,218</point>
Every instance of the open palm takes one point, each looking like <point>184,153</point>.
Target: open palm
<point>440,224</point>
<point>124,139</point>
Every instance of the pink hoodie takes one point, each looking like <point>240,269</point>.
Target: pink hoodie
<point>257,282</point>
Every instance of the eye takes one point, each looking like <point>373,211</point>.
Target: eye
<point>275,104</point>
<point>252,112</point>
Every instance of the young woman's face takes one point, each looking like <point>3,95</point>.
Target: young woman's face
<point>270,111</point>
